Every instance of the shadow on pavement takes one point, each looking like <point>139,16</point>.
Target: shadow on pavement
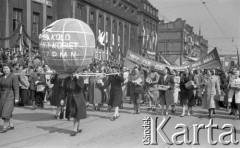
<point>52,129</point>
<point>99,116</point>
<point>33,116</point>
<point>30,108</point>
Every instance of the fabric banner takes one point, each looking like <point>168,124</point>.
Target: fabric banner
<point>211,60</point>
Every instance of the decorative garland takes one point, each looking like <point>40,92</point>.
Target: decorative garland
<point>12,35</point>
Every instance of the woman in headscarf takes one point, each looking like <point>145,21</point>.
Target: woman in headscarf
<point>9,87</point>
<point>73,94</point>
<point>116,91</point>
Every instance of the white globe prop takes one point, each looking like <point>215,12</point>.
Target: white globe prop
<point>67,45</point>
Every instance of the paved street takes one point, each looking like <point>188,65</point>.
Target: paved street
<point>39,129</point>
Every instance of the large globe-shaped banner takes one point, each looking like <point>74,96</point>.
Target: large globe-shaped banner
<point>67,45</point>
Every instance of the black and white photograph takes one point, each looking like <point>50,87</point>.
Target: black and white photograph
<point>119,73</point>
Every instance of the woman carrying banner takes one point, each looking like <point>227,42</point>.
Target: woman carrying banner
<point>75,105</point>
<point>116,91</point>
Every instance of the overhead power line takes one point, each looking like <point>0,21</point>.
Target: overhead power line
<point>186,5</point>
<point>214,19</point>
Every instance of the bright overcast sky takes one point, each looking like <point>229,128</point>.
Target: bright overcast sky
<point>225,12</point>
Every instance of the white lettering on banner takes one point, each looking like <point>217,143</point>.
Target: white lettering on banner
<point>60,45</point>
<point>54,54</point>
<point>133,57</point>
<point>209,58</point>
<point>196,64</point>
<point>146,62</point>
<point>73,54</point>
<point>60,37</point>
<point>62,54</point>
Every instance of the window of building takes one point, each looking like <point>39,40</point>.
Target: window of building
<point>17,17</point>
<point>144,6</point>
<point>91,16</point>
<point>100,19</point>
<point>79,10</point>
<point>35,21</point>
<point>49,20</point>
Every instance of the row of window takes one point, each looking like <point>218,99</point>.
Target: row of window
<point>150,9</point>
<point>17,19</point>
<point>121,5</point>
<point>150,26</point>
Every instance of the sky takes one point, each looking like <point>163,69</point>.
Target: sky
<point>219,20</point>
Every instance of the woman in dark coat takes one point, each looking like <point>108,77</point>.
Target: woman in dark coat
<point>75,102</point>
<point>55,99</point>
<point>9,87</point>
<point>115,91</point>
<point>187,94</point>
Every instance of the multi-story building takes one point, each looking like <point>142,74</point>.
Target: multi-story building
<point>32,14</point>
<point>177,42</point>
<point>123,21</point>
<point>147,28</point>
<point>117,18</point>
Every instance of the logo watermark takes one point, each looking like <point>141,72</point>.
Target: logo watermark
<point>152,131</point>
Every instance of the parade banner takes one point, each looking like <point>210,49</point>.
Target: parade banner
<point>211,60</point>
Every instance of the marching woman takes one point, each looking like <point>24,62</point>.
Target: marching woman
<point>73,94</point>
<point>153,92</point>
<point>115,91</point>
<point>212,88</point>
<point>9,87</point>
<point>57,81</point>
<point>136,90</point>
<point>186,94</point>
<point>176,89</point>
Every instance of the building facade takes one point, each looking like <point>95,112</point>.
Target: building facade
<point>32,14</point>
<point>116,18</point>
<point>147,29</point>
<point>178,43</point>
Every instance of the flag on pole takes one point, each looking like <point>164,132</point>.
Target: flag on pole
<point>238,57</point>
<point>143,36</point>
<point>21,40</point>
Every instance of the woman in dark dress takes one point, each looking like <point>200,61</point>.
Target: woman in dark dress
<point>9,87</point>
<point>186,94</point>
<point>55,99</point>
<point>73,95</point>
<point>115,91</point>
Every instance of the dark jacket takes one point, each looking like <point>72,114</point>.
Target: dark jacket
<point>9,88</point>
<point>74,97</point>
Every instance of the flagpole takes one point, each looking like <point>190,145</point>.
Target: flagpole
<point>238,57</point>
<point>30,50</point>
